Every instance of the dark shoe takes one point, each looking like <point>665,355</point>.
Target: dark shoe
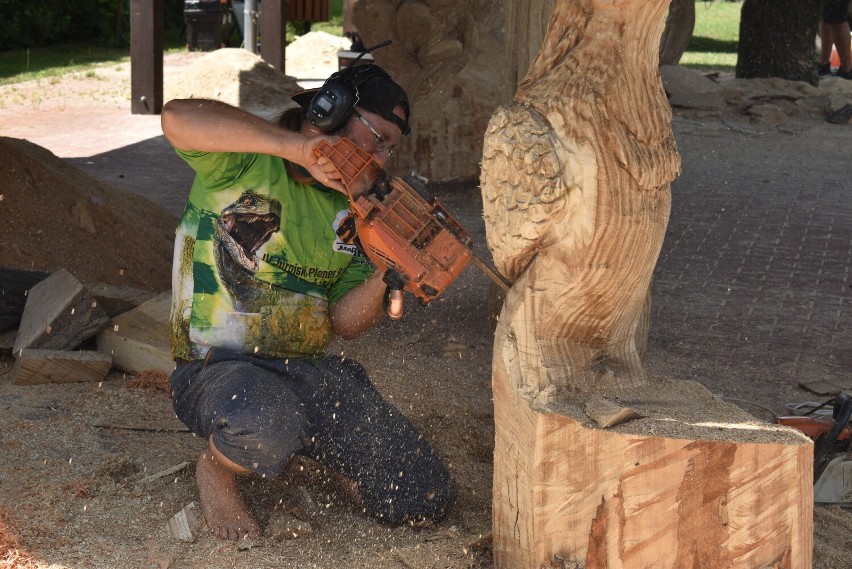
<point>825,69</point>
<point>844,74</point>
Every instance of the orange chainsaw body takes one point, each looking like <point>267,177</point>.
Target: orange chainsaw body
<point>399,225</point>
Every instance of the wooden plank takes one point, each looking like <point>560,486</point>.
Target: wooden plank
<point>146,57</point>
<point>273,21</point>
<point>138,340</point>
<point>59,366</point>
<point>14,287</point>
<point>59,315</point>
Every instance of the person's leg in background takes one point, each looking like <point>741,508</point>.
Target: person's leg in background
<point>826,45</point>
<point>834,32</point>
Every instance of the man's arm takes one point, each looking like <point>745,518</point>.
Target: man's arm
<point>359,309</point>
<point>213,126</point>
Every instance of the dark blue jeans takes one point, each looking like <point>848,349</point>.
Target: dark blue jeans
<point>260,412</point>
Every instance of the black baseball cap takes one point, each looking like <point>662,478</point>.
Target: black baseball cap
<point>377,93</point>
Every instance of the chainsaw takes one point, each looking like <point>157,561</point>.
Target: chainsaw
<point>402,228</point>
<point>832,438</point>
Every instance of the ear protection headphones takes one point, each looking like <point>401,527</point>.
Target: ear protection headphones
<point>333,104</point>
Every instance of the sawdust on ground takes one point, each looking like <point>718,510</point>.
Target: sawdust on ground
<point>91,502</point>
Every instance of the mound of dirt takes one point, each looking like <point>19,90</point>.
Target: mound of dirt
<point>55,216</point>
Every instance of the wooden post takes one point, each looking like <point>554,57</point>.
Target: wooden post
<point>596,462</point>
<point>146,57</point>
<point>273,38</point>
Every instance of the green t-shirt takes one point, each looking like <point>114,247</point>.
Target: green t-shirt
<point>259,258</point>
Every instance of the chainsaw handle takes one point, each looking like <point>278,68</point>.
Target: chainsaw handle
<point>395,301</point>
<point>358,169</point>
<point>394,294</point>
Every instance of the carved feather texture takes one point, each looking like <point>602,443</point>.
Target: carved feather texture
<point>524,186</point>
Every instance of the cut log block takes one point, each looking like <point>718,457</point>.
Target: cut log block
<point>14,288</point>
<point>59,315</point>
<point>59,366</point>
<point>662,491</point>
<point>117,299</point>
<point>138,340</point>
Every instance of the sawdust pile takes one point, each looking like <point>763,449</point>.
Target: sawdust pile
<point>234,76</point>
<point>55,216</point>
<point>243,79</point>
<point>314,55</point>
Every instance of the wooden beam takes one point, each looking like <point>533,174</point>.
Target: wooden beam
<point>273,38</point>
<point>59,366</point>
<point>146,57</point>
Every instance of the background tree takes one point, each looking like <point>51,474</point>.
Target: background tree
<point>680,23</point>
<point>777,39</point>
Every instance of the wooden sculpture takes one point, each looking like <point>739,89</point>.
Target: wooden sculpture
<point>450,58</point>
<point>596,462</point>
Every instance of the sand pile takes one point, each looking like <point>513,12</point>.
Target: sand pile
<point>55,216</point>
<point>234,76</point>
<point>314,55</point>
<point>241,78</point>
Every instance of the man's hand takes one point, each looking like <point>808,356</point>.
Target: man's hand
<point>320,167</point>
<point>354,168</point>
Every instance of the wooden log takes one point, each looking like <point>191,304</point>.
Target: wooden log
<point>60,314</point>
<point>138,340</point>
<point>59,366</point>
<point>14,288</point>
<point>576,176</point>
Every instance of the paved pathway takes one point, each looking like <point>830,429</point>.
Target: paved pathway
<point>754,278</point>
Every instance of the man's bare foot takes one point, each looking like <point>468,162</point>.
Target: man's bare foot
<point>224,508</point>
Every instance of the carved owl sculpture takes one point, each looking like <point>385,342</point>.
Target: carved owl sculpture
<point>575,182</point>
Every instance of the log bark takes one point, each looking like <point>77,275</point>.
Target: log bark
<point>777,40</point>
<point>595,462</point>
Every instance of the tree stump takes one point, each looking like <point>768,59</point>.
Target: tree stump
<point>595,462</point>
<point>760,54</point>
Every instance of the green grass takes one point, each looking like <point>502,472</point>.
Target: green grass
<point>45,62</point>
<point>713,46</point>
<point>714,40</point>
